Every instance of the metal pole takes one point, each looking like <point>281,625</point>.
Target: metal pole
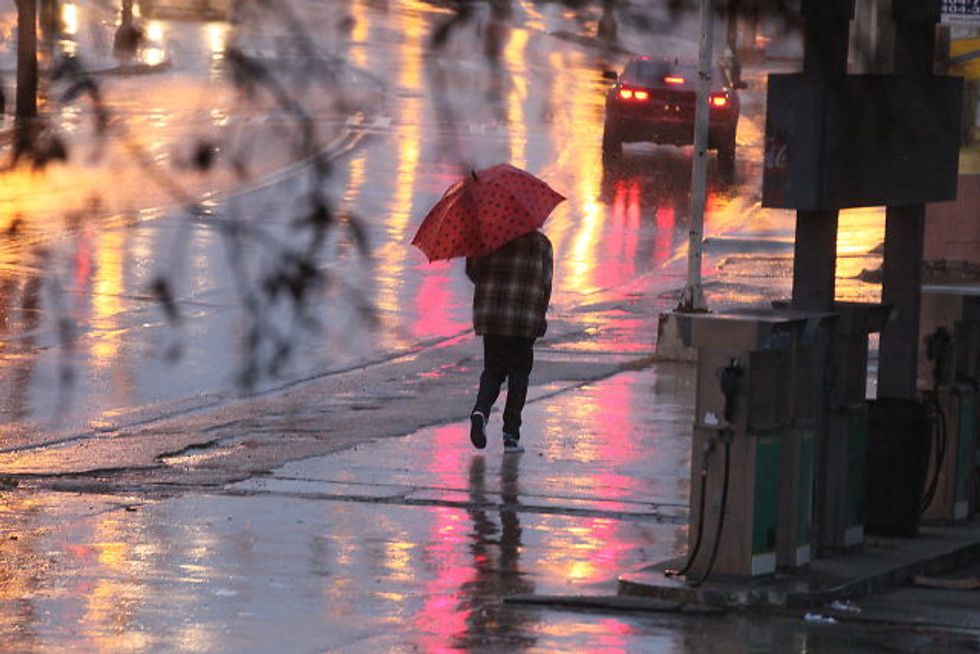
<point>693,299</point>
<point>26,59</point>
<point>901,283</point>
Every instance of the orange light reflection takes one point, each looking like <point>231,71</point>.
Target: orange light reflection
<point>392,259</point>
<point>111,593</point>
<point>359,35</point>
<point>107,289</point>
<point>516,57</point>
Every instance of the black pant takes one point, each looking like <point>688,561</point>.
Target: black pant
<point>505,358</point>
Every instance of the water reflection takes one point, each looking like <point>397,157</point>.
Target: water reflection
<point>21,572</point>
<point>69,19</point>
<point>393,256</point>
<point>474,554</point>
<point>578,435</point>
<point>640,224</point>
<point>860,235</point>
<point>496,555</point>
<point>20,316</point>
<point>438,314</point>
<point>515,54</point>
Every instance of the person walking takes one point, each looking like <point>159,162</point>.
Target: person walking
<point>510,301</point>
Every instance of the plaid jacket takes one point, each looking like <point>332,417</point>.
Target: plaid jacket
<point>513,287</point>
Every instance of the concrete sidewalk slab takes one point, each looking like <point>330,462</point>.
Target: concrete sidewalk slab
<point>618,446</point>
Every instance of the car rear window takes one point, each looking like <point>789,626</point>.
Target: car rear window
<point>650,72</point>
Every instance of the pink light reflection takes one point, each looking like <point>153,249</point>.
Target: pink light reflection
<point>663,242</point>
<point>443,618</point>
<point>612,635</point>
<point>622,241</point>
<point>433,302</point>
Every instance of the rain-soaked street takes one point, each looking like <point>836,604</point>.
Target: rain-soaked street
<point>88,247</point>
<point>148,504</point>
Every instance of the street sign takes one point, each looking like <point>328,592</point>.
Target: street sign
<point>961,12</point>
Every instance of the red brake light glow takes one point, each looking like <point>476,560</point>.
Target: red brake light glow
<point>673,80</point>
<point>634,94</point>
<point>719,101</point>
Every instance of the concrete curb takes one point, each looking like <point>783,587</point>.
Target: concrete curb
<point>670,345</point>
<point>883,564</point>
<point>616,603</point>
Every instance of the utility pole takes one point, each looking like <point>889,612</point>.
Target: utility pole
<point>50,19</point>
<point>26,109</point>
<point>693,298</point>
<point>731,21</point>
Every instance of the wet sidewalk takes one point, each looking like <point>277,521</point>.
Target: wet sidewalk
<point>396,544</point>
<point>421,543</point>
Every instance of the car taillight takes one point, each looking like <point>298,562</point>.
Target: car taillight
<point>718,100</point>
<point>634,94</point>
<point>673,79</point>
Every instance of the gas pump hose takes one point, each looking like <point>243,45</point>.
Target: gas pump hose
<point>709,446</point>
<point>939,349</point>
<point>726,439</point>
<point>939,439</point>
<point>728,378</point>
<point>725,435</point>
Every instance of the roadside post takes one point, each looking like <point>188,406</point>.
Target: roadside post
<point>693,298</point>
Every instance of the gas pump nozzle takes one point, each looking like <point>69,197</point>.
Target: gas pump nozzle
<point>709,447</point>
<point>939,350</point>
<point>729,378</point>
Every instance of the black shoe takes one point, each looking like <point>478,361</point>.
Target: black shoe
<point>512,443</point>
<point>478,430</point>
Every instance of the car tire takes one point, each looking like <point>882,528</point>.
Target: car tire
<point>612,146</point>
<point>726,159</point>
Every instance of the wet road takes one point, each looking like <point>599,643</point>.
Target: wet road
<point>90,238</point>
<point>170,514</point>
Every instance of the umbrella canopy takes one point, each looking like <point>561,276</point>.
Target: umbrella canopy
<point>491,207</point>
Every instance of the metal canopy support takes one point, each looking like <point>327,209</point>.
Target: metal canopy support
<point>814,260</point>
<point>815,253</point>
<point>901,284</point>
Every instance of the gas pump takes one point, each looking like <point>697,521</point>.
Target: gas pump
<point>806,439</point>
<point>948,372</point>
<point>839,495</point>
<point>743,415</point>
<point>797,518</point>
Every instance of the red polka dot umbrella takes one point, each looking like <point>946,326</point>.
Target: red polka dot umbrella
<point>478,214</point>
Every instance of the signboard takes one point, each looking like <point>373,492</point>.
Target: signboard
<point>964,58</point>
<point>961,12</point>
<point>860,141</point>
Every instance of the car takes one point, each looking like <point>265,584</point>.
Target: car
<point>653,100</point>
<point>186,9</point>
